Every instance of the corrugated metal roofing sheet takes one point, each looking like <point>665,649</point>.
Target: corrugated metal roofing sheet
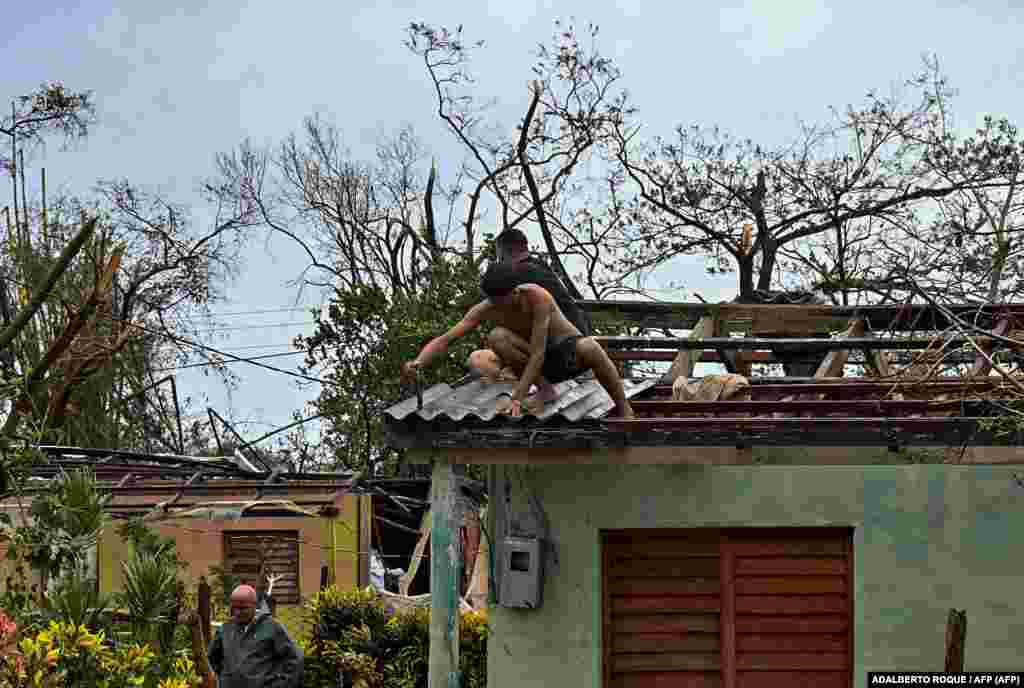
<point>582,398</point>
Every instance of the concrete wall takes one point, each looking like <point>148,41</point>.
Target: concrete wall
<point>927,538</point>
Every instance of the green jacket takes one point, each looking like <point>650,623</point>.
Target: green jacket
<point>259,656</point>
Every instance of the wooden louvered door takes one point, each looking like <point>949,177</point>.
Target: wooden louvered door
<point>279,552</point>
<point>736,608</point>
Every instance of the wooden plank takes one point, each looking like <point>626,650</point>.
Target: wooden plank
<point>685,359</point>
<point>607,627</point>
<point>268,550</point>
<point>982,364</point>
<point>792,624</point>
<point>790,566</point>
<point>666,623</point>
<point>674,661</point>
<point>792,642</point>
<point>666,604</point>
<point>804,345</point>
<point>826,547</point>
<point>701,356</point>
<point>775,317</point>
<point>793,679</point>
<point>674,679</point>
<point>763,424</point>
<point>728,632</point>
<point>723,452</point>
<point>849,610</point>
<point>664,586</point>
<point>270,553</point>
<point>664,550</point>
<point>811,604</point>
<point>835,361</point>
<point>787,661</point>
<point>275,556</point>
<point>796,585</point>
<point>852,386</point>
<point>861,407</point>
<point>675,536</point>
<point>697,567</point>
<point>666,642</point>
<point>417,554</point>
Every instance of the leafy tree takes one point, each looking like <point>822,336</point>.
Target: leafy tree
<point>542,177</point>
<point>124,309</point>
<point>367,334</point>
<point>63,526</point>
<point>402,255</point>
<point>874,166</point>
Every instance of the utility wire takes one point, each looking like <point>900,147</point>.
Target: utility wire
<point>239,359</point>
<point>247,359</point>
<point>204,347</point>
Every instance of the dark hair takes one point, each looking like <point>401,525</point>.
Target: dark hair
<point>500,279</point>
<point>512,237</point>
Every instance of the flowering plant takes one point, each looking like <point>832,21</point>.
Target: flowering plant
<point>68,655</point>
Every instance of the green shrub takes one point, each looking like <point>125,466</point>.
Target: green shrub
<point>353,632</point>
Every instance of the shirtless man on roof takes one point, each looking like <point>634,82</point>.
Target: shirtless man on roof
<point>553,349</point>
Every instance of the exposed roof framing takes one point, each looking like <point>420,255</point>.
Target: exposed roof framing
<point>664,315</point>
<point>909,399</point>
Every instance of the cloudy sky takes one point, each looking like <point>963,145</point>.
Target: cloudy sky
<point>175,86</point>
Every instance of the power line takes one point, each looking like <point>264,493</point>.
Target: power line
<point>247,359</point>
<point>267,310</point>
<point>207,331</point>
<point>239,359</point>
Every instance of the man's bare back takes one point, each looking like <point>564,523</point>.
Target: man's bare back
<point>549,348</point>
<point>519,316</point>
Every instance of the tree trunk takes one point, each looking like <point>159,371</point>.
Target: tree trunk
<point>768,256</point>
<point>746,270</point>
<point>999,256</point>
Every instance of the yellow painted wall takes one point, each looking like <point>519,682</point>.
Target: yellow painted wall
<point>200,544</point>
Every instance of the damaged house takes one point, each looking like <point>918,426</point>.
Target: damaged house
<point>799,527</point>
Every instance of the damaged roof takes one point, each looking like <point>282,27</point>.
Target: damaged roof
<point>476,400</point>
<point>920,386</point>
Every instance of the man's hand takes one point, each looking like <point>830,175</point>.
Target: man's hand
<point>514,408</point>
<point>507,406</point>
<point>409,371</point>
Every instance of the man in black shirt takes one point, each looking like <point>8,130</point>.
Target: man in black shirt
<point>507,352</point>
<point>513,247</point>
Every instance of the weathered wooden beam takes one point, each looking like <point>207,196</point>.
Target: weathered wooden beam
<point>858,386</point>
<point>794,454</point>
<point>684,361</point>
<point>835,362</point>
<point>919,424</point>
<point>860,407</point>
<point>983,363</point>
<point>417,555</point>
<point>445,565</point>
<point>793,318</point>
<point>879,363</point>
<point>810,344</point>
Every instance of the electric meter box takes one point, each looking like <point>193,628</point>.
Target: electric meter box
<point>522,580</point>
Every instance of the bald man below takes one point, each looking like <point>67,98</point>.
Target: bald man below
<point>253,650</point>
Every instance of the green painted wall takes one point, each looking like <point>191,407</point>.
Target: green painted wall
<point>927,538</point>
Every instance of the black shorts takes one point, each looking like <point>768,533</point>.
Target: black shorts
<point>560,360</point>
